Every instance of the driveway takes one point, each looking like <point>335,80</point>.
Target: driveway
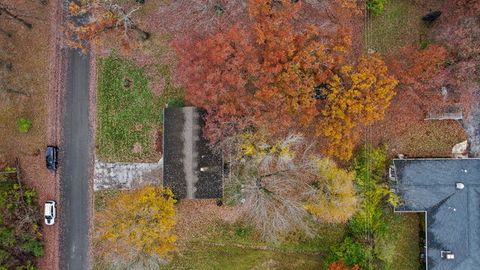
<point>77,166</point>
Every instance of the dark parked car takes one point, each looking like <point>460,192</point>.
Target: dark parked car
<point>51,157</point>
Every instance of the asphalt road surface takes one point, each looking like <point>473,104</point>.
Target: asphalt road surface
<point>76,159</point>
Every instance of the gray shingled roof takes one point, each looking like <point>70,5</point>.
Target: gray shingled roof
<point>185,153</point>
<point>453,215</point>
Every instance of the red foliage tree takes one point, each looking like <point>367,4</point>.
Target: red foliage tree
<point>262,73</point>
<point>216,74</point>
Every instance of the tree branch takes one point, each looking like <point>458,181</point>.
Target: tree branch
<point>16,17</point>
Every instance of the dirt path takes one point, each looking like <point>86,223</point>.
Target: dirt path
<point>47,183</point>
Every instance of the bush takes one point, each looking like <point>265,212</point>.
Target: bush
<point>376,7</point>
<point>176,102</point>
<point>24,125</point>
<point>352,252</point>
<point>424,44</point>
<point>369,225</point>
<point>243,231</point>
<point>370,166</point>
<point>363,224</point>
<point>33,246</point>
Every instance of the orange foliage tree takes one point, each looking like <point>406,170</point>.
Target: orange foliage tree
<point>291,62</point>
<point>262,72</point>
<point>263,75</point>
<point>357,95</point>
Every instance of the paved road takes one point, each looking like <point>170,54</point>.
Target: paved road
<point>77,165</point>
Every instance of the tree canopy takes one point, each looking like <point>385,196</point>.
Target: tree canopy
<point>281,182</point>
<point>135,227</point>
<point>358,95</point>
<point>262,74</point>
<point>333,195</point>
<point>20,236</point>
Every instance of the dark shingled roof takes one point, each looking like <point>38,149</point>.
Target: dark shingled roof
<point>186,152</point>
<point>453,215</point>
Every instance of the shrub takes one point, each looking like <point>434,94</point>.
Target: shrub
<point>368,222</point>
<point>424,44</point>
<point>33,246</point>
<point>333,197</point>
<point>24,125</point>
<point>370,165</point>
<point>340,265</point>
<point>176,102</point>
<point>352,253</point>
<point>376,7</point>
<point>243,231</point>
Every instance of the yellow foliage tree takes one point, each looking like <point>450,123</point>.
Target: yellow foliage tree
<point>333,196</point>
<point>135,226</point>
<point>357,95</point>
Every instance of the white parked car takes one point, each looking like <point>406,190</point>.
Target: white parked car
<point>50,211</point>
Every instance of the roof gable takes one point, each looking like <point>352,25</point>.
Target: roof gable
<point>453,215</point>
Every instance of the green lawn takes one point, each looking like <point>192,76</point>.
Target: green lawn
<point>228,257</point>
<point>237,247</point>
<point>128,116</point>
<point>400,24</point>
<point>400,250</point>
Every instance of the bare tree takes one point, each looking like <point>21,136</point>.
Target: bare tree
<point>281,185</point>
<point>201,16</point>
<point>89,21</point>
<point>270,183</point>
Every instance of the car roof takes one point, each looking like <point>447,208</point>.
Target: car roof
<point>48,207</point>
